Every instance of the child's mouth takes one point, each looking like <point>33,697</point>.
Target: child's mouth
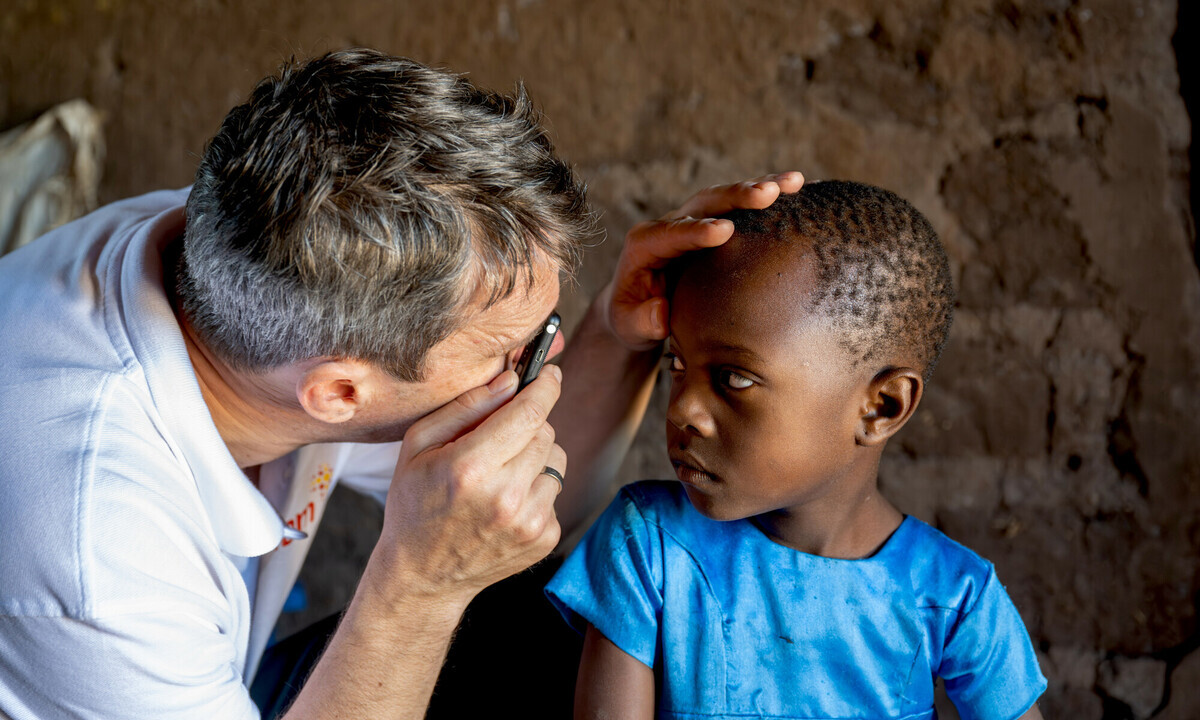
<point>690,475</point>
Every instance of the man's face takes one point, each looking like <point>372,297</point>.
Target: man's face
<point>489,343</point>
<point>763,406</point>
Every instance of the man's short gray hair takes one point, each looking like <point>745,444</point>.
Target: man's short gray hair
<point>358,203</point>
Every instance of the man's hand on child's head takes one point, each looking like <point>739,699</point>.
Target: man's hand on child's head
<point>746,195</point>
<point>636,297</point>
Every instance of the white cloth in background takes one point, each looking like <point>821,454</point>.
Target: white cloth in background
<point>49,171</point>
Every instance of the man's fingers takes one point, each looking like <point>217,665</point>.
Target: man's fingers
<point>646,321</point>
<point>557,460</point>
<point>652,244</point>
<point>750,194</point>
<point>789,182</point>
<point>538,523</point>
<point>535,458</point>
<point>506,432</point>
<point>449,422</point>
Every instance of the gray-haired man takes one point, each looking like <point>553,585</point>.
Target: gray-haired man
<point>368,245</point>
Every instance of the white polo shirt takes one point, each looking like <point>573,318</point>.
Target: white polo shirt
<point>124,520</point>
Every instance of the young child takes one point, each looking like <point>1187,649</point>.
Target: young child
<point>773,580</point>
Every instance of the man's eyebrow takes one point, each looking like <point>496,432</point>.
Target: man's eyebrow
<point>531,336</point>
<point>528,339</point>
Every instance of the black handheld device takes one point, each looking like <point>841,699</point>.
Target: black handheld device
<point>535,353</point>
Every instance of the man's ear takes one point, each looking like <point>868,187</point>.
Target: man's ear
<point>332,391</point>
<point>892,397</point>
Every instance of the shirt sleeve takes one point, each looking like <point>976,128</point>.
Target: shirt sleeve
<point>125,667</point>
<point>988,665</point>
<point>613,580</point>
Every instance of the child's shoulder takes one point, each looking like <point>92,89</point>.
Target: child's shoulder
<point>660,503</point>
<point>941,567</point>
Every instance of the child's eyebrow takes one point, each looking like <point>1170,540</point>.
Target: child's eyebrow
<point>733,348</point>
<point>739,350</point>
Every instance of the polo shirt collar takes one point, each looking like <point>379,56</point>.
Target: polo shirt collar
<point>242,520</point>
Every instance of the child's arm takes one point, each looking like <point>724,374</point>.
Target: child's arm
<point>613,685</point>
<point>1032,714</point>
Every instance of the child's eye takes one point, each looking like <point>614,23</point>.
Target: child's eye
<point>673,362</point>
<point>735,380</point>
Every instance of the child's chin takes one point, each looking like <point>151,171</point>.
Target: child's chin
<point>711,507</point>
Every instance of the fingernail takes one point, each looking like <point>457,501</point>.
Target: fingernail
<point>502,382</point>
<point>763,185</point>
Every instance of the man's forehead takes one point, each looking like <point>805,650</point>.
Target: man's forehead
<point>514,320</point>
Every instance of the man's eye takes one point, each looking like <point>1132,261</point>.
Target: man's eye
<point>673,362</point>
<point>735,380</point>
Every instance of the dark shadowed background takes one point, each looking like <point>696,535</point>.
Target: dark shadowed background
<point>1049,142</point>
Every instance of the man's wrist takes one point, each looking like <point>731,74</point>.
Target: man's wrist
<point>387,589</point>
<point>602,312</point>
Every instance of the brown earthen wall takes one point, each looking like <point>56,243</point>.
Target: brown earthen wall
<point>1047,141</point>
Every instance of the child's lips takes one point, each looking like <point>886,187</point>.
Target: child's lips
<point>690,474</point>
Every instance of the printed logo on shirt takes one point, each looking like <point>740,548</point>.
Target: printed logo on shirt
<point>308,514</point>
<point>320,481</point>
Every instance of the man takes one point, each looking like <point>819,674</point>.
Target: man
<point>366,249</point>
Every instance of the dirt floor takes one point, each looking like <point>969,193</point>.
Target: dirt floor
<point>1049,142</point>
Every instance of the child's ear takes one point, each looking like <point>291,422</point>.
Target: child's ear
<point>891,399</point>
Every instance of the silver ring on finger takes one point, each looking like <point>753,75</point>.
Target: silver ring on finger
<point>554,474</point>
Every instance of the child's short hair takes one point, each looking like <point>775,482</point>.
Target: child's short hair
<point>881,273</point>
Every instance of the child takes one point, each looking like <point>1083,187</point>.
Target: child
<point>773,580</point>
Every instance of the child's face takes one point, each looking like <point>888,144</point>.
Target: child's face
<point>764,403</point>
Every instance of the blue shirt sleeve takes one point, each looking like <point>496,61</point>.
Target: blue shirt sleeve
<point>613,580</point>
<point>988,664</point>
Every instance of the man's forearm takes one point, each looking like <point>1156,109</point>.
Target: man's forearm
<point>384,659</point>
<point>605,390</point>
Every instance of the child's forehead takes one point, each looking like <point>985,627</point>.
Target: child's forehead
<point>750,285</point>
<point>767,269</point>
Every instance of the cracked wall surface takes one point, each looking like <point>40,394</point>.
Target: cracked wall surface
<point>1047,141</point>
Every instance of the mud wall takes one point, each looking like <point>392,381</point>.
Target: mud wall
<point>1047,141</point>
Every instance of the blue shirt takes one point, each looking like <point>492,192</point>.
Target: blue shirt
<point>737,625</point>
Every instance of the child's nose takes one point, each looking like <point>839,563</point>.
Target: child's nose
<point>688,411</point>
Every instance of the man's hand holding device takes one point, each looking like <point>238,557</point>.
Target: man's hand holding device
<point>530,366</point>
<point>536,352</point>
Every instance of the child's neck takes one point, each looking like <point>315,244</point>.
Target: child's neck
<point>848,526</point>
